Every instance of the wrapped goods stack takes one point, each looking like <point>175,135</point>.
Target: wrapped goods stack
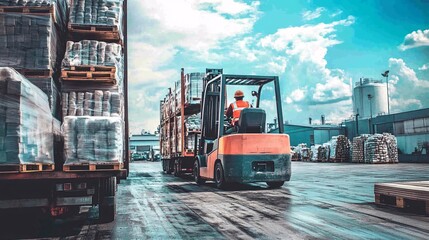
<point>95,103</point>
<point>326,152</point>
<point>193,87</point>
<point>381,148</point>
<point>32,41</point>
<point>358,153</point>
<point>104,16</point>
<point>333,148</point>
<point>26,134</point>
<point>92,83</point>
<point>92,140</point>
<point>342,149</point>
<point>305,154</point>
<point>193,122</point>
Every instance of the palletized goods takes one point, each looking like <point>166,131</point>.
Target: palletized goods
<point>92,140</point>
<point>26,134</point>
<point>381,148</point>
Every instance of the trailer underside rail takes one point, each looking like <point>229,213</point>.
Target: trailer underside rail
<point>60,175</point>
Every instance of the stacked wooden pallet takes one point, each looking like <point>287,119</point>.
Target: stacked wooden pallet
<point>404,195</point>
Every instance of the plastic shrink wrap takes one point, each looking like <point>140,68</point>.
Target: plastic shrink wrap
<point>49,87</point>
<point>97,12</point>
<point>95,103</point>
<point>193,87</point>
<point>94,53</point>
<point>32,41</point>
<point>381,148</point>
<point>92,140</point>
<point>26,134</point>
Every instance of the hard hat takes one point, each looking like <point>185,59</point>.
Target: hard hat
<point>238,93</point>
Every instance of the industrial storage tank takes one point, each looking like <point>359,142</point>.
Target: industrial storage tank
<point>370,98</point>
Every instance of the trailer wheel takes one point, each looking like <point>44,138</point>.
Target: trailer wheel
<point>219,176</point>
<point>176,171</point>
<point>107,206</point>
<point>275,184</point>
<point>196,172</point>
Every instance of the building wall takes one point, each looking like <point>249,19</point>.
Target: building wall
<point>299,135</point>
<point>408,143</point>
<point>324,135</point>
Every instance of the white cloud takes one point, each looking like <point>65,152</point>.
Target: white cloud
<point>338,12</point>
<point>399,68</point>
<point>305,48</point>
<point>298,95</point>
<point>424,67</point>
<point>310,15</point>
<point>407,91</point>
<point>415,39</point>
<point>277,65</point>
<point>165,30</point>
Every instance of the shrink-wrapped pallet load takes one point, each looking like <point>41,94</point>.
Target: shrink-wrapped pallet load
<point>358,153</point>
<point>381,148</point>
<point>32,41</point>
<point>193,122</point>
<point>92,140</point>
<point>49,86</point>
<point>97,12</point>
<point>193,87</point>
<point>96,103</point>
<point>26,135</point>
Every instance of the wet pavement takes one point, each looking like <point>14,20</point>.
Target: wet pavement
<point>322,201</point>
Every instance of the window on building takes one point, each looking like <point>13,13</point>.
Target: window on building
<point>399,128</point>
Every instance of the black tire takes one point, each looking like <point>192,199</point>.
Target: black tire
<point>107,206</point>
<point>219,176</point>
<point>278,184</point>
<point>176,170</point>
<point>196,172</point>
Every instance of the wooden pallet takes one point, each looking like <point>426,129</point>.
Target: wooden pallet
<point>92,167</point>
<point>92,68</point>
<point>36,73</point>
<point>79,32</point>
<point>25,168</point>
<point>93,76</point>
<point>404,195</point>
<point>30,10</point>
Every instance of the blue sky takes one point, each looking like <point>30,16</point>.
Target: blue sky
<point>317,48</point>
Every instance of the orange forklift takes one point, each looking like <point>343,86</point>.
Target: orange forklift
<point>249,154</point>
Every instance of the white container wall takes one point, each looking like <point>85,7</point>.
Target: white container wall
<point>375,104</point>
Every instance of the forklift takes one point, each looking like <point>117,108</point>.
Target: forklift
<point>250,154</point>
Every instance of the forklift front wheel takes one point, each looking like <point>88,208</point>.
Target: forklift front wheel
<point>197,176</point>
<point>219,176</point>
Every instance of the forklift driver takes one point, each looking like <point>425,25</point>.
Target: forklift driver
<point>234,110</point>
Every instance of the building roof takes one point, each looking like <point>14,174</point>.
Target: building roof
<point>295,127</point>
<point>148,137</point>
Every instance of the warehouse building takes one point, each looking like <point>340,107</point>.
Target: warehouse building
<point>144,142</point>
<point>311,134</point>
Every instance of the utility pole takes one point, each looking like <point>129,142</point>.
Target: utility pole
<point>386,75</point>
<point>370,112</point>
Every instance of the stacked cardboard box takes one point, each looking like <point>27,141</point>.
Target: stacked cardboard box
<point>26,134</point>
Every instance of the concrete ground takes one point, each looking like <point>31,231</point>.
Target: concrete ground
<point>322,201</point>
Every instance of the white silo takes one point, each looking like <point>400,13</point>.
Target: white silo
<point>370,96</point>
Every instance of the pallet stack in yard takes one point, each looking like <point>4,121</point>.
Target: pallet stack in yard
<point>358,152</point>
<point>381,148</point>
<point>82,83</point>
<point>92,86</point>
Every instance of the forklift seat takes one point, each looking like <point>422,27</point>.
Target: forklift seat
<point>252,120</point>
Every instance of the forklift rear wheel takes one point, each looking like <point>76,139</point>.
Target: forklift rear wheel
<point>275,184</point>
<point>219,176</point>
<point>197,176</point>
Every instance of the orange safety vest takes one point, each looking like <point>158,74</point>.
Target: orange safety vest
<point>237,106</point>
